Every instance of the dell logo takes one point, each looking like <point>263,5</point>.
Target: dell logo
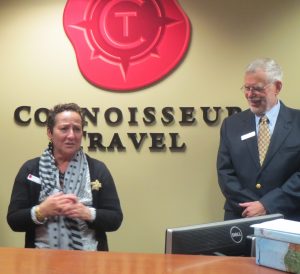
<point>236,234</point>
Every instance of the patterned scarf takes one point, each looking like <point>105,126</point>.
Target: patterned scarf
<point>65,233</point>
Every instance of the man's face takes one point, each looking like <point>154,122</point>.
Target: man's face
<point>260,94</point>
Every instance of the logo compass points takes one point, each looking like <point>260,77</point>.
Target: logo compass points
<point>124,34</point>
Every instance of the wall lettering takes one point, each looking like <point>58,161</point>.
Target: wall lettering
<point>134,117</point>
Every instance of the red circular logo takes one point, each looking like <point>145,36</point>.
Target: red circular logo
<point>126,45</point>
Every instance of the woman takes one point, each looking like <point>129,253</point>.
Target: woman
<point>64,199</point>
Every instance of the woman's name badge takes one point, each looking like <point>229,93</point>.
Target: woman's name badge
<point>248,135</point>
<point>34,179</point>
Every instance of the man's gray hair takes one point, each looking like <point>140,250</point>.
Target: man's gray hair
<point>272,69</point>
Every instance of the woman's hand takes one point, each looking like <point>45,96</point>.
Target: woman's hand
<point>55,205</point>
<point>77,210</point>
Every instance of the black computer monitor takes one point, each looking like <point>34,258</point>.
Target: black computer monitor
<point>229,238</point>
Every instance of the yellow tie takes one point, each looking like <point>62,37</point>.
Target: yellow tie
<point>264,137</point>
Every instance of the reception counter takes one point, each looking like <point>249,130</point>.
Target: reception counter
<point>36,261</point>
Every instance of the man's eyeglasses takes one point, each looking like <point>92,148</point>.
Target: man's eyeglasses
<point>256,89</point>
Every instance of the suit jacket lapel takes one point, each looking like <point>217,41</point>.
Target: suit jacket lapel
<point>249,126</point>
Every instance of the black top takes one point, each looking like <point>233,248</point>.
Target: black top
<point>25,195</point>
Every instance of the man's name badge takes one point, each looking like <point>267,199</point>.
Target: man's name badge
<point>248,135</point>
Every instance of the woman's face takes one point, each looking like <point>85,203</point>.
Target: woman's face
<point>67,134</point>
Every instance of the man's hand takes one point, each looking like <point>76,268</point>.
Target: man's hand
<point>252,209</point>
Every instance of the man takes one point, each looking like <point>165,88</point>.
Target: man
<point>252,182</point>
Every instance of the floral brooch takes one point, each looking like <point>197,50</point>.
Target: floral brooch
<point>96,185</point>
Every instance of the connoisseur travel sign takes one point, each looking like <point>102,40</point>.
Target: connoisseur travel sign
<point>142,119</point>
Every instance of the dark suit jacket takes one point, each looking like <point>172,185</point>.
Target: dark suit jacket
<point>25,195</point>
<point>276,184</point>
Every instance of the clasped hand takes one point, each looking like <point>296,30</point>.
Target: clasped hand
<point>252,209</point>
<point>60,204</point>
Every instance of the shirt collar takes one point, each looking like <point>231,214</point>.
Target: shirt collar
<point>272,115</point>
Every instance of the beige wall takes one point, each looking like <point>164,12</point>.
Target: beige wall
<point>157,190</point>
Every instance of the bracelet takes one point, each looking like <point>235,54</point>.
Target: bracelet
<point>39,216</point>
